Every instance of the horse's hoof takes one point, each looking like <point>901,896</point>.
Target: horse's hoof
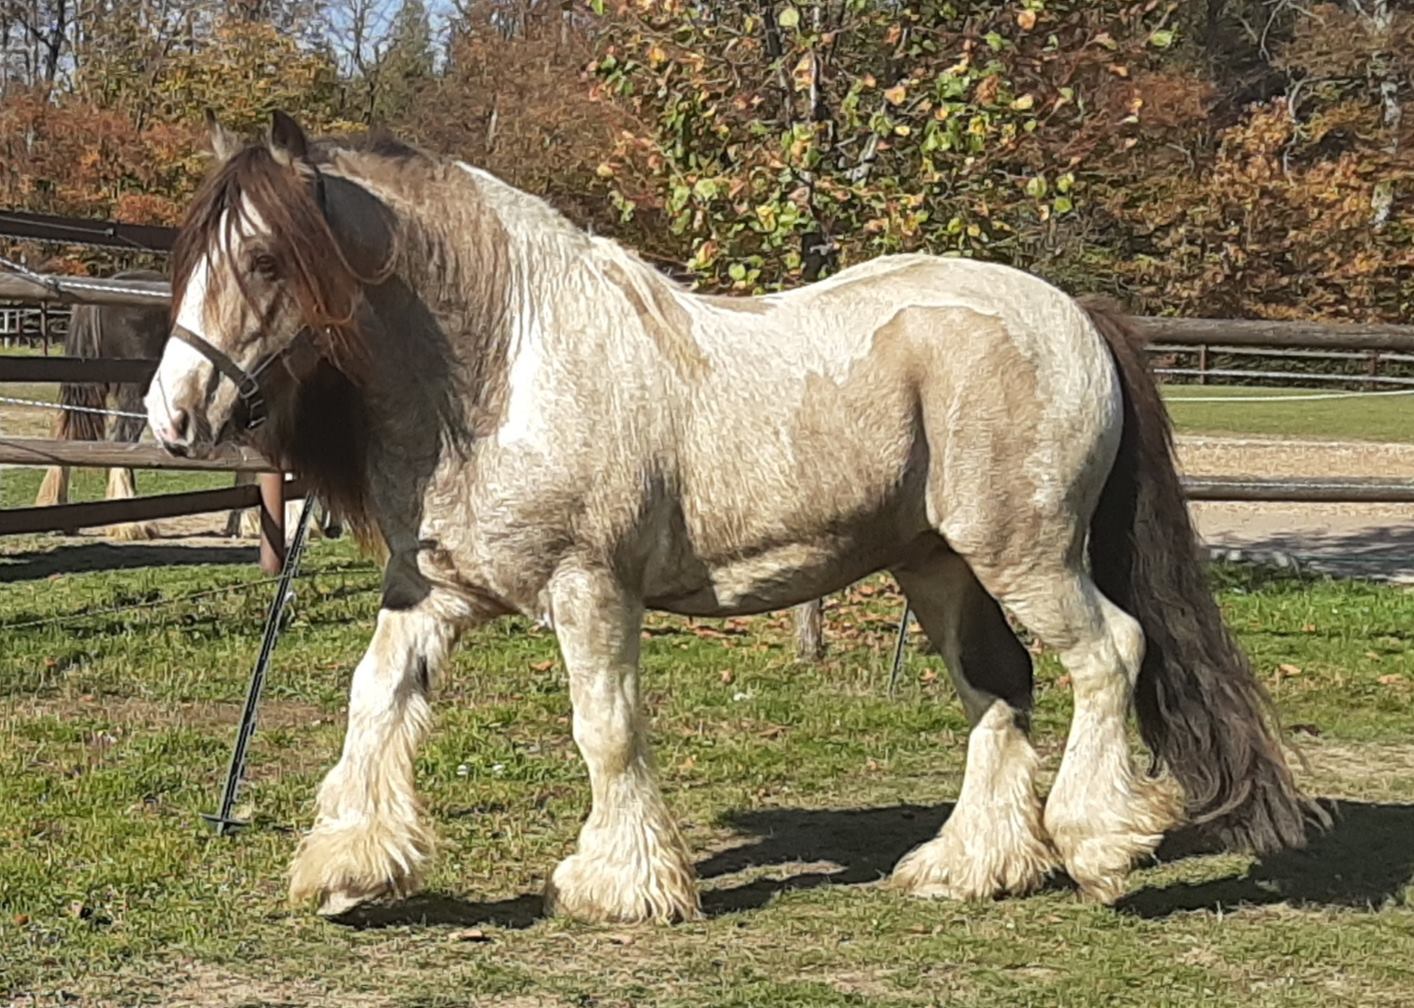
<point>336,904</point>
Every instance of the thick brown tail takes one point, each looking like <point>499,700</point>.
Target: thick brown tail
<point>82,341</point>
<point>1201,709</point>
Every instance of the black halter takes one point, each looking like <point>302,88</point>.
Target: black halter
<point>247,383</point>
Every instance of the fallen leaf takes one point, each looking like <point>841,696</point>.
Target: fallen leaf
<point>470,935</point>
<point>1026,20</point>
<point>1063,682</point>
<point>542,666</point>
<point>927,677</point>
<point>1391,680</point>
<point>622,939</point>
<point>1287,671</point>
<point>727,677</point>
<point>21,920</point>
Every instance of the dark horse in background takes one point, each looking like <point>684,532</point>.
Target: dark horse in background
<point>129,332</point>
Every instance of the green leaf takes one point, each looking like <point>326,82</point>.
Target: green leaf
<point>789,17</point>
<point>1036,186</point>
<point>1062,204</point>
<point>1161,39</point>
<point>736,271</point>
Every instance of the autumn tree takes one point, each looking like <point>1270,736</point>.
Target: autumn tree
<point>789,136</point>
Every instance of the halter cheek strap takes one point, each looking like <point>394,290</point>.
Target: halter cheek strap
<point>247,382</point>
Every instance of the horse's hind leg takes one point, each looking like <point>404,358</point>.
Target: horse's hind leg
<point>1101,815</point>
<point>993,842</point>
<point>631,863</point>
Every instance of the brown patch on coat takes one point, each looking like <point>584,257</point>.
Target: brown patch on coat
<point>665,321</point>
<point>980,408</point>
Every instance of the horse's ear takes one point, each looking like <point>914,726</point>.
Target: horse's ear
<point>287,141</point>
<point>224,143</point>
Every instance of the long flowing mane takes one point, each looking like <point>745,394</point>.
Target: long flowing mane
<point>321,433</point>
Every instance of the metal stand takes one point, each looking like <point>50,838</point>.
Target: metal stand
<point>899,642</point>
<point>222,819</point>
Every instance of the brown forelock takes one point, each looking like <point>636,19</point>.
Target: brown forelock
<point>315,268</point>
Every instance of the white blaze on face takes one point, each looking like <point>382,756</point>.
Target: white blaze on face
<point>184,372</point>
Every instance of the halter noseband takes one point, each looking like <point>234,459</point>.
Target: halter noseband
<point>247,383</point>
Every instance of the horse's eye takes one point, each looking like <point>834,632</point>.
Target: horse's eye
<point>264,265</point>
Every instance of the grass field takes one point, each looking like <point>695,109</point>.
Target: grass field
<point>1364,418</point>
<point>798,786</point>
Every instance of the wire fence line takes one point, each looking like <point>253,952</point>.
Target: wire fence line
<point>40,404</point>
<point>1302,397</point>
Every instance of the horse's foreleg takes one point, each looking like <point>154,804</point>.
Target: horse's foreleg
<point>369,838</point>
<point>631,863</point>
<point>55,488</point>
<point>121,486</point>
<point>243,521</point>
<point>993,842</point>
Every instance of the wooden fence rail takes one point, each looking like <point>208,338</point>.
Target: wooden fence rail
<point>97,514</point>
<point>108,454</point>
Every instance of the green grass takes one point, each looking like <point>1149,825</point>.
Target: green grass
<point>116,729</point>
<point>1367,418</point>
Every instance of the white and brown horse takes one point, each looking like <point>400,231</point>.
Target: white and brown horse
<point>534,421</point>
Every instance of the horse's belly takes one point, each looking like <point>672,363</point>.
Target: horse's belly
<point>774,579</point>
<point>805,558</point>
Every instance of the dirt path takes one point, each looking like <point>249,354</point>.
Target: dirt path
<point>1367,540</point>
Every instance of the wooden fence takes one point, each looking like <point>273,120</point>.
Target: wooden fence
<point>269,493</point>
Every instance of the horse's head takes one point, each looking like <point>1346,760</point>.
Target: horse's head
<point>262,283</point>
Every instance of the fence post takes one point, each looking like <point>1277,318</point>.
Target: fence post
<point>272,522</point>
<point>810,630</point>
<point>1202,364</point>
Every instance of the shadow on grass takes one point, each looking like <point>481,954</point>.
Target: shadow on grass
<point>865,844</point>
<point>440,909</point>
<point>1365,860</point>
<point>101,556</point>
